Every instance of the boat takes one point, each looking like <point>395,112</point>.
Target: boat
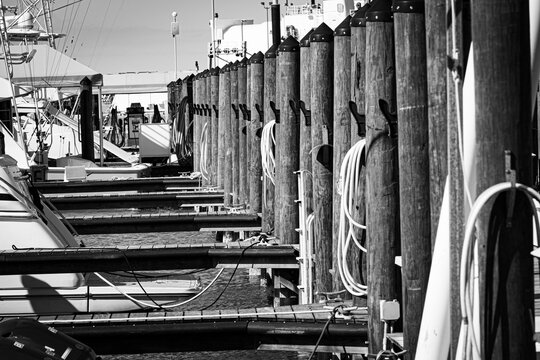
<point>27,222</point>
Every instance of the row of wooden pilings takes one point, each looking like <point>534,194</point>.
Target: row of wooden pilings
<point>325,93</point>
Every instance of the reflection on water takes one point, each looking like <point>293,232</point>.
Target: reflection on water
<point>243,292</point>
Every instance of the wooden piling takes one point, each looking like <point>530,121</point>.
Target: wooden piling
<point>257,98</point>
<point>235,112</point>
<point>210,163</point>
<point>381,168</point>
<point>248,129</point>
<point>321,59</point>
<point>242,83</point>
<point>288,133</point>
<point>196,124</point>
<point>85,119</point>
<point>224,123</point>
<point>214,105</point>
<point>413,159</point>
<point>342,129</point>
<point>205,124</point>
<point>268,204</point>
<point>437,121</point>
<point>503,123</point>
<point>305,123</point>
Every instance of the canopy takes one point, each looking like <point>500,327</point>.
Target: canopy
<point>49,68</point>
<point>139,82</point>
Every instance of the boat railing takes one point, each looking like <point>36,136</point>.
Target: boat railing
<point>303,10</point>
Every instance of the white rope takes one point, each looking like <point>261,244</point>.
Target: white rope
<point>350,182</point>
<point>268,142</point>
<point>203,151</point>
<point>469,338</point>
<point>154,306</point>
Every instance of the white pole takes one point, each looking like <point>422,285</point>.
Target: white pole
<point>212,61</point>
<point>175,31</point>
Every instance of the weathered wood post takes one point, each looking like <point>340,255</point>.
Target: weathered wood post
<point>196,124</point>
<point>235,113</point>
<point>288,133</point>
<point>210,162</point>
<point>205,160</point>
<point>257,98</point>
<point>413,159</point>
<point>248,129</point>
<point>321,59</point>
<point>503,124</point>
<point>214,108</point>
<point>381,168</point>
<point>224,123</point>
<point>85,119</point>
<point>342,128</point>
<point>305,123</point>
<point>269,201</point>
<point>242,148</point>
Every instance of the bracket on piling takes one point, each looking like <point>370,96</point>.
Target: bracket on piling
<point>276,111</point>
<point>296,110</point>
<point>244,130</point>
<point>306,112</point>
<point>260,111</point>
<point>216,111</point>
<point>236,112</point>
<point>359,118</point>
<point>391,118</point>
<point>208,110</point>
<point>245,112</point>
<point>325,155</point>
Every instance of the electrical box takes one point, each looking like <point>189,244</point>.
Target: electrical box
<point>135,117</point>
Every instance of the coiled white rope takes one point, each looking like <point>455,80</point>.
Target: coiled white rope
<point>268,142</point>
<point>203,151</point>
<point>350,183</point>
<point>469,338</point>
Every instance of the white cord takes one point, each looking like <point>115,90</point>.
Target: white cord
<point>469,340</point>
<point>154,306</point>
<point>203,151</point>
<point>268,142</point>
<point>350,182</point>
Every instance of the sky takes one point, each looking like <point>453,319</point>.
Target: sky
<point>114,36</point>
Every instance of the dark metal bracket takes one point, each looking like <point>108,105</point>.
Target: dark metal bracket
<point>260,112</point>
<point>391,118</point>
<point>236,112</point>
<point>245,112</point>
<point>208,110</point>
<point>276,111</point>
<point>325,156</point>
<point>296,110</point>
<point>306,112</point>
<point>244,130</point>
<point>216,111</point>
<point>359,118</point>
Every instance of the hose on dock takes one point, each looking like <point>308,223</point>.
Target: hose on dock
<point>268,143</point>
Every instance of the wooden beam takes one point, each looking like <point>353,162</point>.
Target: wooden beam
<point>269,203</point>
<point>257,121</point>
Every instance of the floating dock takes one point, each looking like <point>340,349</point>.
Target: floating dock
<point>293,328</point>
<point>164,222</point>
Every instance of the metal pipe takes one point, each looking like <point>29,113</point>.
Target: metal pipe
<point>276,26</point>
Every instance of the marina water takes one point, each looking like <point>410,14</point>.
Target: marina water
<point>244,291</point>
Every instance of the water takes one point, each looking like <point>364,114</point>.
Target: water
<point>244,291</point>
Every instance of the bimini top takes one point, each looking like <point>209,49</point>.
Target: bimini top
<point>49,68</point>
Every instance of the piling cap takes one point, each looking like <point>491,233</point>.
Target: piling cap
<point>322,34</point>
<point>408,6</point>
<point>359,17</point>
<point>258,58</point>
<point>289,45</point>
<point>206,73</point>
<point>380,11</point>
<point>226,68</point>
<point>171,84</point>
<point>344,29</point>
<point>271,52</point>
<point>305,40</point>
<point>234,65</point>
<point>190,77</point>
<point>215,71</point>
<point>179,81</point>
<point>243,62</point>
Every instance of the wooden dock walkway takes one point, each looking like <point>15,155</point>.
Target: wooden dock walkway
<point>136,200</point>
<point>153,257</point>
<point>164,222</point>
<point>141,184</point>
<point>294,328</point>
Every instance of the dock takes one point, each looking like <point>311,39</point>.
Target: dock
<point>168,257</point>
<point>141,184</point>
<point>144,200</point>
<point>164,222</point>
<point>293,328</point>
